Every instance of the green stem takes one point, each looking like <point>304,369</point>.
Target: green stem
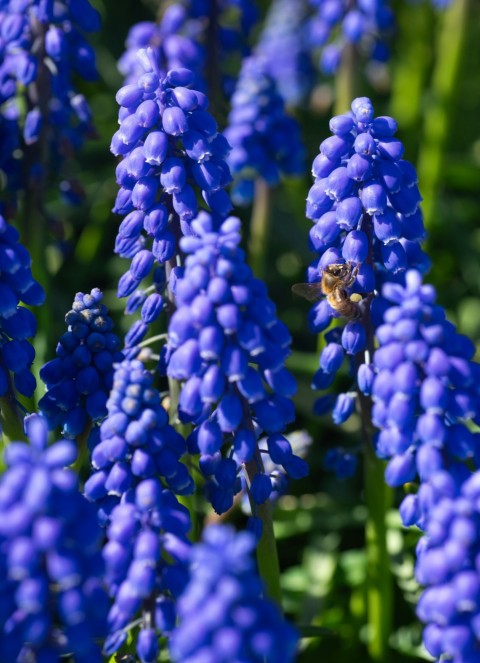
<point>11,419</point>
<point>379,498</point>
<point>267,554</point>
<point>259,227</point>
<point>439,110</point>
<point>346,80</point>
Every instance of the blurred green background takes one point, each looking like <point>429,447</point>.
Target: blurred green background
<point>432,87</point>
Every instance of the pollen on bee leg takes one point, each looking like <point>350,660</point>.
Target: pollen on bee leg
<point>356,298</point>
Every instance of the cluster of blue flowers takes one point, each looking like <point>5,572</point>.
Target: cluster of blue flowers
<point>170,145</point>
<point>265,140</point>
<point>222,614</point>
<point>42,48</point>
<point>425,388</point>
<point>137,447</point>
<point>189,33</point>
<point>79,379</point>
<point>283,45</point>
<point>136,441</point>
<point>365,208</point>
<point>142,531</point>
<point>17,323</point>
<point>362,23</point>
<point>52,602</point>
<point>226,343</point>
<point>447,565</point>
<point>175,37</point>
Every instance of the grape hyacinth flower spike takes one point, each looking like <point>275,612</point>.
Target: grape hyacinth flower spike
<point>79,379</point>
<point>227,346</point>
<point>17,323</point>
<point>222,613</point>
<point>447,565</point>
<point>43,50</point>
<point>207,38</point>
<point>338,24</point>
<point>137,472</point>
<point>52,601</point>
<point>283,45</point>
<point>265,140</point>
<point>367,230</point>
<point>425,391</point>
<point>171,149</point>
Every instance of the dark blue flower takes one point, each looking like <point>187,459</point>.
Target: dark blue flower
<point>223,614</point>
<point>17,323</point>
<point>446,505</point>
<point>79,379</point>
<point>52,600</point>
<point>45,43</point>
<point>187,35</point>
<point>136,441</point>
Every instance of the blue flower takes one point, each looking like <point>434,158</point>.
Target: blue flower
<point>228,347</point>
<point>447,563</point>
<point>171,149</point>
<point>283,45</point>
<point>425,388</point>
<point>138,454</point>
<point>265,140</point>
<point>142,533</point>
<point>52,600</point>
<point>136,441</point>
<point>223,615</point>
<point>187,35</point>
<point>338,23</point>
<point>17,323</point>
<point>367,228</point>
<point>55,30</point>
<point>79,379</point>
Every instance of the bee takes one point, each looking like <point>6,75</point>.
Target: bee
<point>336,278</point>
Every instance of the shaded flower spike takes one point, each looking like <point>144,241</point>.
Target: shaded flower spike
<point>52,601</point>
<point>45,41</point>
<point>17,323</point>
<point>171,149</point>
<point>79,379</point>
<point>425,389</point>
<point>228,347</point>
<point>367,230</point>
<point>223,614</point>
<point>265,140</point>
<point>361,24</point>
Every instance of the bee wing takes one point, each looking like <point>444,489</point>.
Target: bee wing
<point>310,291</point>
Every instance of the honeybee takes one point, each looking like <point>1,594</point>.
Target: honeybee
<point>336,278</point>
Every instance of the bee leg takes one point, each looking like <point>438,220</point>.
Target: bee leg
<point>352,276</point>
